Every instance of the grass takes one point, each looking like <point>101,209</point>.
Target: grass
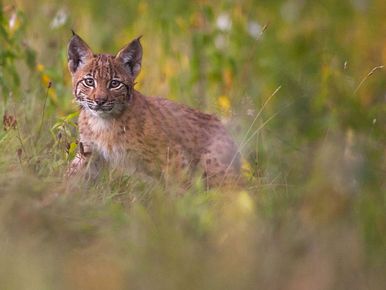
<point>300,86</point>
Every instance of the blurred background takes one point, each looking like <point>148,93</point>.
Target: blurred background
<point>301,86</point>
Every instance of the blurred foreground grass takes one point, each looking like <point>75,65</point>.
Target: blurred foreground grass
<point>301,86</point>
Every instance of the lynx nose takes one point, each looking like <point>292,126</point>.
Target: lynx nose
<point>100,101</point>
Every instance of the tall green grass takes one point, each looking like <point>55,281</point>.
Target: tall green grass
<point>301,87</point>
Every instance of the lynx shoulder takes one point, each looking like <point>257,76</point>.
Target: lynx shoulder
<point>124,129</point>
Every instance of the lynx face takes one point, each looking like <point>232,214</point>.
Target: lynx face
<point>103,84</point>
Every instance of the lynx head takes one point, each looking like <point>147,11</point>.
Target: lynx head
<point>102,83</point>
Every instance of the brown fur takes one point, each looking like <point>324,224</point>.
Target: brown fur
<point>134,132</point>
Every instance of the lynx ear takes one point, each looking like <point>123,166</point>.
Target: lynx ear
<point>78,53</point>
<point>131,57</point>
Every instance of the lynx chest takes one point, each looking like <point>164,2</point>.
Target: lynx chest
<point>119,146</point>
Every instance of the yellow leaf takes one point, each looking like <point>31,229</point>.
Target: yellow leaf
<point>53,96</point>
<point>45,80</point>
<point>170,69</point>
<point>72,150</point>
<point>246,168</point>
<point>40,67</point>
<point>245,202</point>
<point>224,103</point>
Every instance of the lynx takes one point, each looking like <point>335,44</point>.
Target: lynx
<point>124,129</point>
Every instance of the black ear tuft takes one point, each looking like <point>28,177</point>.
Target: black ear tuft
<point>78,53</point>
<point>131,57</point>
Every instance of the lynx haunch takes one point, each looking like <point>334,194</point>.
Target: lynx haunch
<point>124,129</point>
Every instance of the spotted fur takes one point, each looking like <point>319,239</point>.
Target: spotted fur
<point>127,130</point>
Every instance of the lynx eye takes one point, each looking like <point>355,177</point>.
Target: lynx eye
<point>115,84</point>
<point>89,82</point>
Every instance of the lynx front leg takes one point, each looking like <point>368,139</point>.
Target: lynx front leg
<point>80,162</point>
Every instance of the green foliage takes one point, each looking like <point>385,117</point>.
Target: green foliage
<point>12,49</point>
<point>301,86</point>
